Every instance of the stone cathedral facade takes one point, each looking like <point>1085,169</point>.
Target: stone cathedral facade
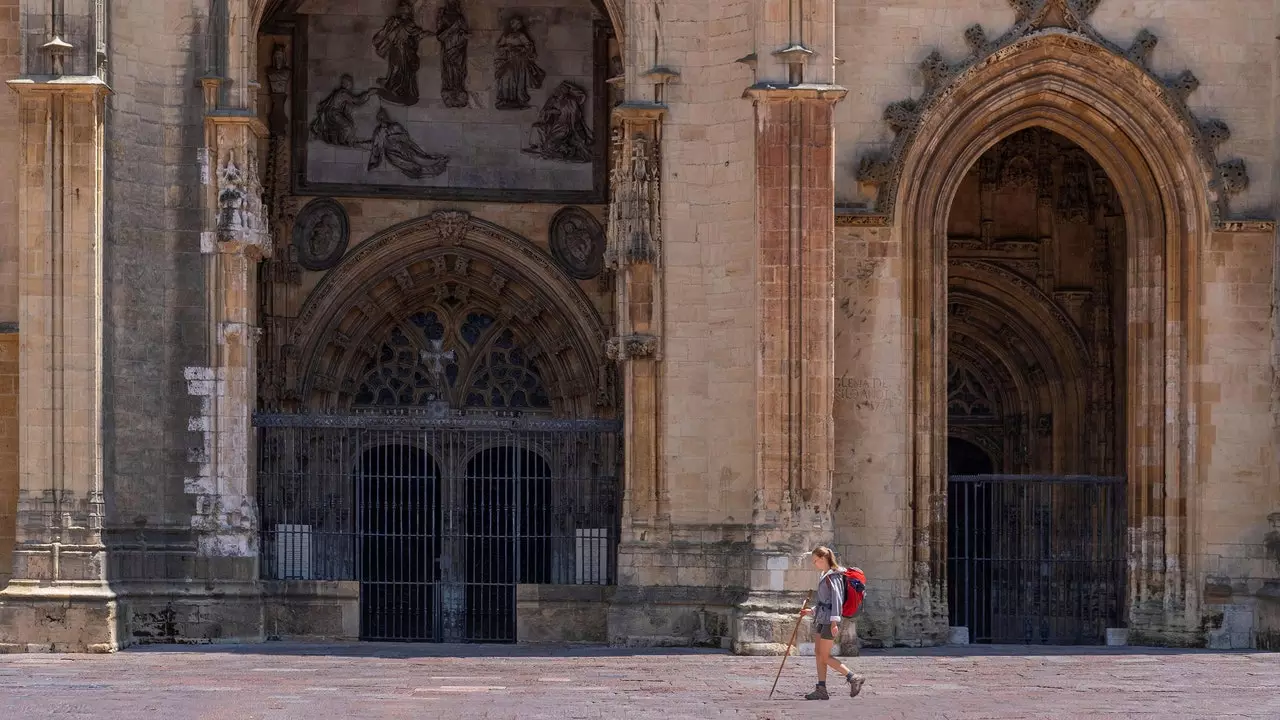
<point>585,320</point>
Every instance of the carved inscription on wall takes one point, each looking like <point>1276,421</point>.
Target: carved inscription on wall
<point>451,98</point>
<point>870,393</point>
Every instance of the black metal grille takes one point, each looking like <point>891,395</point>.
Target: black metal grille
<point>438,519</point>
<point>1036,559</point>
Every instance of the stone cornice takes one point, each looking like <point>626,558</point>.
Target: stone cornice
<point>251,121</point>
<point>639,110</point>
<point>86,84</point>
<point>771,91</point>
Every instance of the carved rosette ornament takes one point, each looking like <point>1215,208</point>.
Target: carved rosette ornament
<point>883,169</point>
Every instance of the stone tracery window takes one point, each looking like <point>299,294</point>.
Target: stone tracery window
<point>466,358</point>
<point>507,379</point>
<point>966,396</point>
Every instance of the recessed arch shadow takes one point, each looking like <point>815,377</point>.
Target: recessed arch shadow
<point>1162,181</point>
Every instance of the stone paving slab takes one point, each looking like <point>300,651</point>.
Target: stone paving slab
<point>279,681</point>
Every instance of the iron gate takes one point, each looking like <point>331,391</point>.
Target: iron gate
<point>1036,559</point>
<point>438,519</point>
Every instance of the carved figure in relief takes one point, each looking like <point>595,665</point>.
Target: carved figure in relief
<point>333,123</point>
<point>397,43</point>
<point>320,234</point>
<point>516,68</point>
<point>453,33</point>
<point>561,132</point>
<point>577,243</point>
<point>231,198</point>
<point>392,142</point>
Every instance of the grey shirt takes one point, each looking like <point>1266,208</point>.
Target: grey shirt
<point>830,597</point>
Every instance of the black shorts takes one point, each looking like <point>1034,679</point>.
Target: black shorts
<point>823,630</point>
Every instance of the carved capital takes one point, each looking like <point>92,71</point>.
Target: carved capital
<point>631,347</point>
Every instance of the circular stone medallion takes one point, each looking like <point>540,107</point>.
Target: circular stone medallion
<point>321,233</point>
<point>577,243</point>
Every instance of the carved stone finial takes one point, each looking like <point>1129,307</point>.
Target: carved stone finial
<point>975,36</point>
<point>1234,176</point>
<point>1183,85</point>
<point>1143,45</point>
<point>902,115</point>
<point>1215,132</point>
<point>936,72</point>
<point>875,170</point>
<point>1084,8</point>
<point>1023,9</point>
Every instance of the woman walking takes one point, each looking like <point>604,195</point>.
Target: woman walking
<point>826,623</point>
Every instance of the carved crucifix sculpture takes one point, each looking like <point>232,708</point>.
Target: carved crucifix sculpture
<point>433,358</point>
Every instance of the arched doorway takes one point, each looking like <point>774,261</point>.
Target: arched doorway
<point>509,535</point>
<point>1154,157</point>
<point>1035,253</point>
<point>398,525</point>
<point>463,379</point>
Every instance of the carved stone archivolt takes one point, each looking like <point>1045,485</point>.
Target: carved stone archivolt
<point>1061,22</point>
<point>1030,356</point>
<point>431,304</point>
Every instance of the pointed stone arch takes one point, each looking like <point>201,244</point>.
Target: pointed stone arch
<point>1082,51</point>
<point>450,263</point>
<point>1070,84</point>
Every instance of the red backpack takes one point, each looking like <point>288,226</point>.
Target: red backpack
<point>855,589</point>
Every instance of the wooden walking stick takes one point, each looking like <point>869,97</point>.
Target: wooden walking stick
<point>790,642</point>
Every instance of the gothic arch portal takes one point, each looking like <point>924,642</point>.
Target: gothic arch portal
<point>1114,110</point>
<point>450,293</point>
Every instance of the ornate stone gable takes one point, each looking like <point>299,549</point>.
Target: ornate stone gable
<point>1056,21</point>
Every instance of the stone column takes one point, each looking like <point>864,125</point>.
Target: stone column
<point>795,209</point>
<point>236,240</point>
<point>634,254</point>
<point>58,598</point>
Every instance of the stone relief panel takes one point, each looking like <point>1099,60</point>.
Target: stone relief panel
<point>320,234</point>
<point>577,243</point>
<point>460,99</point>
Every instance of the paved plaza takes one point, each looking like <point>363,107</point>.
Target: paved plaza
<point>284,681</point>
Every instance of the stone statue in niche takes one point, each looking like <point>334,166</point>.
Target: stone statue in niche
<point>333,123</point>
<point>278,75</point>
<point>577,243</point>
<point>397,43</point>
<point>320,234</point>
<point>515,67</point>
<point>453,33</point>
<point>1073,195</point>
<point>392,142</point>
<point>232,193</point>
<point>561,132</point>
